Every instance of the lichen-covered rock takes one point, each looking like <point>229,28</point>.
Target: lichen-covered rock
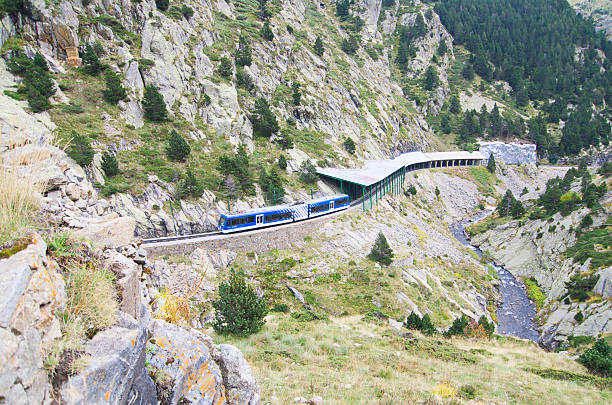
<point>240,385</point>
<point>127,274</point>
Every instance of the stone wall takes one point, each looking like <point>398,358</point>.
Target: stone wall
<point>510,153</point>
<point>262,240</point>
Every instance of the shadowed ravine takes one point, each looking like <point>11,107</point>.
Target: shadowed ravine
<point>516,313</point>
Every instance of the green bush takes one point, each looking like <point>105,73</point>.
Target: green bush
<point>535,293</point>
<point>410,191</point>
<point>579,317</point>
<point>190,187</point>
<point>295,93</point>
<point>110,166</point>
<point>238,166</point>
<point>154,105</point>
<point>225,67</point>
<point>510,206</point>
<point>238,310</point>
<point>489,327</point>
<point>91,63</point>
<point>282,162</point>
<point>37,82</point>
<point>178,149</point>
<point>271,184</point>
<point>266,32</point>
<point>162,4</point>
<point>349,145</point>
<point>11,6</point>
<point>598,359</point>
<point>413,321</point>
<point>466,391</point>
<point>579,287</point>
<point>264,121</point>
<point>114,91</point>
<point>186,11</point>
<point>243,55</point>
<point>458,326</point>
<point>80,149</point>
<point>280,308</point>
<point>318,47</point>
<point>308,173</point>
<point>381,251</point>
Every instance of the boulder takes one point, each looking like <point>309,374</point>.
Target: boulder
<point>604,284</point>
<point>240,385</point>
<point>185,356</point>
<point>115,373</point>
<point>109,232</point>
<point>127,274</point>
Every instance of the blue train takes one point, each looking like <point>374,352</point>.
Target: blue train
<point>281,214</point>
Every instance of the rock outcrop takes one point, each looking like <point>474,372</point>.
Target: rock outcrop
<point>510,153</point>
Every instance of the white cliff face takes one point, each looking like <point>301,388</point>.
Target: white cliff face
<point>510,153</point>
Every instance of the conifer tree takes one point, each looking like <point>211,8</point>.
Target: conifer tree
<point>264,121</point>
<point>491,165</point>
<point>178,149</point>
<point>162,4</point>
<point>431,78</point>
<point>190,187</point>
<point>238,310</point>
<point>318,46</point>
<point>225,67</point>
<point>243,53</point>
<point>154,105</point>
<point>114,91</point>
<point>91,62</point>
<point>110,166</point>
<point>349,145</point>
<point>80,149</point>
<point>266,32</point>
<point>295,93</point>
<point>282,162</point>
<point>271,184</point>
<point>455,105</point>
<point>381,251</point>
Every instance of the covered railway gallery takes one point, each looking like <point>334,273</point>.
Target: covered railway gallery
<point>380,177</point>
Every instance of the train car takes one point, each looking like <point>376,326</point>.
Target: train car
<point>281,214</point>
<point>256,218</point>
<point>328,204</point>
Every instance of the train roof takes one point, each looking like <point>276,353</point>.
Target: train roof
<point>254,211</point>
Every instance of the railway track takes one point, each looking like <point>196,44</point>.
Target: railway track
<point>207,235</point>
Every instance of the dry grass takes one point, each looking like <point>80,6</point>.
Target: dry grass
<point>350,361</point>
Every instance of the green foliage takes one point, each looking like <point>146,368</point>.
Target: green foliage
<point>280,308</point>
<point>238,310</point>
<point>350,45</point>
<point>491,164</point>
<point>489,327</point>
<point>381,251</point>
<point>458,327</point>
<point>80,150</point>
<point>431,79</point>
<point>318,47</point>
<point>271,184</point>
<point>598,359</point>
<point>91,63</point>
<point>295,93</point>
<point>243,56</point>
<point>154,105</point>
<point>284,141</point>
<point>467,392</point>
<point>349,145</point>
<point>579,317</point>
<point>442,48</point>
<point>410,191</point>
<point>187,11</point>
<point>264,121</point>
<point>413,321</point>
<point>266,32</point>
<point>606,169</point>
<point>244,80</point>
<point>534,292</point>
<point>586,222</point>
<point>114,91</point>
<point>454,104</point>
<point>579,286</point>
<point>162,4</point>
<point>308,173</point>
<point>282,162</point>
<point>110,166</point>
<point>238,166</point>
<point>190,187</point>
<point>510,206</point>
<point>37,82</point>
<point>563,375</point>
<point>593,244</point>
<point>225,67</point>
<point>11,6</point>
<point>468,72</point>
<point>178,149</point>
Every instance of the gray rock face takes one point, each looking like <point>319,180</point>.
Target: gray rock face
<point>109,232</point>
<point>116,362</point>
<point>127,274</point>
<point>604,284</point>
<point>240,385</point>
<point>510,153</point>
<point>28,306</point>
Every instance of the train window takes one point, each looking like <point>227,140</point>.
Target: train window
<point>319,208</point>
<point>240,221</point>
<point>342,201</point>
<point>279,216</point>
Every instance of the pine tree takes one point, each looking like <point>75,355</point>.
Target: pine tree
<point>154,105</point>
<point>80,149</point>
<point>190,187</point>
<point>318,47</point>
<point>468,72</point>
<point>178,149</point>
<point>11,6</point>
<point>381,251</point>
<point>225,67</point>
<point>271,184</point>
<point>455,105</point>
<point>431,78</point>
<point>91,62</point>
<point>308,173</point>
<point>349,145</point>
<point>295,92</point>
<point>243,56</point>
<point>266,32</point>
<point>491,165</point>
<point>110,166</point>
<point>282,162</point>
<point>458,326</point>
<point>442,48</point>
<point>162,4</point>
<point>264,121</point>
<point>238,310</point>
<point>114,91</point>
<point>445,124</point>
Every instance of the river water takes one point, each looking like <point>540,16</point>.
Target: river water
<point>515,315</point>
